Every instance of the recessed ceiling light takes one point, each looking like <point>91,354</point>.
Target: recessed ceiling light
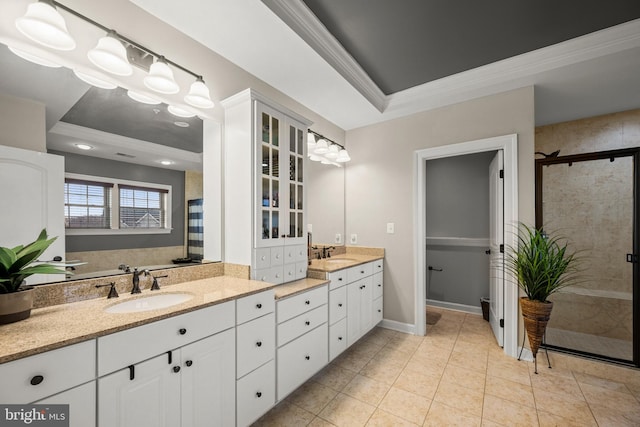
<point>166,162</point>
<point>83,146</point>
<point>181,124</point>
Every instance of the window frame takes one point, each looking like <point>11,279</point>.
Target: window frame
<point>115,229</point>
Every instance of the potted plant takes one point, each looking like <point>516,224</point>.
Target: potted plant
<point>542,265</point>
<point>16,264</point>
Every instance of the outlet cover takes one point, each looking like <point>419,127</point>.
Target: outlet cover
<point>391,228</point>
<point>338,238</point>
<point>354,239</point>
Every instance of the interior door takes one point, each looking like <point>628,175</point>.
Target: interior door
<point>496,243</point>
<point>32,190</point>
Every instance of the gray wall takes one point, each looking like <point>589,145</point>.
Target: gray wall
<point>458,206</point>
<point>86,165</point>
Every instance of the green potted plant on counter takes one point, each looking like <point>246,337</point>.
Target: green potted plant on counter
<point>542,265</point>
<point>16,264</point>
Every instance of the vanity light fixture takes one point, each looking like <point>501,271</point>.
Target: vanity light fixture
<point>110,55</point>
<point>198,95</point>
<point>95,80</point>
<point>326,151</point>
<point>43,24</point>
<point>137,96</point>
<point>180,112</point>
<point>160,78</point>
<point>31,57</point>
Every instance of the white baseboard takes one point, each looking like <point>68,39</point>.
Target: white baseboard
<point>526,354</point>
<point>455,306</point>
<point>407,328</point>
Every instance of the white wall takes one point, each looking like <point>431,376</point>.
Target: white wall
<point>379,179</point>
<point>22,123</point>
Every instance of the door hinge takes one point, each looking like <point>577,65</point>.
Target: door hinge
<point>502,323</point>
<point>502,248</point>
<point>502,173</point>
<point>632,258</point>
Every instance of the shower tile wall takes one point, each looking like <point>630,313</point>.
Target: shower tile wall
<point>591,203</point>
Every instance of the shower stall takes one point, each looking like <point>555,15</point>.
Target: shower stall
<point>591,200</point>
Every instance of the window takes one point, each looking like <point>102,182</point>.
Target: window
<point>95,205</point>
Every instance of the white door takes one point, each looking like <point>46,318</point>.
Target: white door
<point>496,242</point>
<point>32,191</point>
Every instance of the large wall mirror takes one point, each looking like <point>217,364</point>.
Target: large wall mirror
<point>128,141</point>
<point>326,203</point>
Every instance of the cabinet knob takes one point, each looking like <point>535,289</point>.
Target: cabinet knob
<point>379,285</point>
<point>258,305</point>
<point>339,279</point>
<point>340,305</point>
<point>259,344</point>
<point>307,302</point>
<point>307,323</point>
<point>339,338</point>
<point>188,363</point>
<point>262,258</point>
<point>176,369</point>
<point>182,331</point>
<point>278,255</point>
<point>361,271</point>
<point>379,311</point>
<point>259,394</point>
<point>37,380</point>
<point>307,357</point>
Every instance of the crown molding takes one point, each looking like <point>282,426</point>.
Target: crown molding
<point>303,22</point>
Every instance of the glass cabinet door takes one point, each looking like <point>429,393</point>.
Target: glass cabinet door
<point>296,154</point>
<point>271,188</point>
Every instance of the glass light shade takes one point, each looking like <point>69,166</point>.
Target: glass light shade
<point>111,56</point>
<point>180,112</point>
<point>160,78</point>
<point>94,80</point>
<point>343,156</point>
<point>198,95</point>
<point>44,25</point>
<point>34,58</point>
<point>315,158</point>
<point>333,152</point>
<point>311,141</point>
<point>136,96</point>
<point>321,147</point>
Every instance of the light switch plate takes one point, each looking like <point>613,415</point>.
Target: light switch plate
<point>391,228</point>
<point>354,239</point>
<point>338,238</point>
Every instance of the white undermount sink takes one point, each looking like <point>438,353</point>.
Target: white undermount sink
<point>151,302</point>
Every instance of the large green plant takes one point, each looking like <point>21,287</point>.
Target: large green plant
<point>16,264</point>
<point>541,263</point>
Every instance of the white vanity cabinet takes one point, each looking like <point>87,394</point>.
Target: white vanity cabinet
<point>337,313</point>
<point>265,153</point>
<point>181,376</point>
<point>256,346</point>
<point>302,332</point>
<point>61,376</point>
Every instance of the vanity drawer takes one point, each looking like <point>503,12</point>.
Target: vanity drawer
<point>377,285</point>
<point>301,270</point>
<point>289,272</point>
<point>301,253</point>
<point>359,272</point>
<point>288,308</point>
<point>301,359</point>
<point>302,324</point>
<point>35,377</point>
<point>121,349</point>
<point>277,256</point>
<point>256,394</point>
<point>270,275</point>
<point>337,278</point>
<point>263,258</point>
<point>254,306</point>
<point>255,341</point>
<point>378,265</point>
<point>291,254</point>
<point>337,304</point>
<point>337,338</point>
<point>377,311</point>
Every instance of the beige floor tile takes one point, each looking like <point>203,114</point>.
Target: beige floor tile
<point>345,411</point>
<point>442,415</point>
<point>489,423</point>
<point>607,416</point>
<point>382,418</point>
<point>366,389</point>
<point>285,415</point>
<point>433,368</point>
<point>550,420</point>
<point>385,372</point>
<point>621,402</point>
<point>464,377</point>
<point>319,422</point>
<point>476,362</point>
<point>351,361</point>
<point>408,406</point>
<point>511,391</point>
<point>418,383</point>
<point>557,383</point>
<point>635,390</point>
<point>563,405</point>
<point>334,376</point>
<point>392,355</point>
<point>312,396</point>
<point>462,398</point>
<point>509,372</point>
<point>508,413</point>
<point>601,382</point>
<point>429,352</point>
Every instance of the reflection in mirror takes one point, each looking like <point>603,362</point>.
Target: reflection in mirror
<point>326,203</point>
<point>128,141</point>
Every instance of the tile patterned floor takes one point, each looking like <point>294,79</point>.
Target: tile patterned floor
<point>458,376</point>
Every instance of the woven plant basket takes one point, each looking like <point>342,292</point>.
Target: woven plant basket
<point>536,316</point>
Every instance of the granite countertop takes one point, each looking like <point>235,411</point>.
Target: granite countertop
<point>340,262</point>
<point>57,326</point>
<point>299,286</point>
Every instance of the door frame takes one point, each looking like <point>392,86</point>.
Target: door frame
<point>509,145</point>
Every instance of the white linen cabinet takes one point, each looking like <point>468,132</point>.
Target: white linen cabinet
<point>265,187</point>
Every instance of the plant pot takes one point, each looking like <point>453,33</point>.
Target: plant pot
<point>17,305</point>
<point>536,315</point>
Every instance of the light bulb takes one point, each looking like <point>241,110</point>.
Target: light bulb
<point>333,152</point>
<point>343,156</point>
<point>43,24</point>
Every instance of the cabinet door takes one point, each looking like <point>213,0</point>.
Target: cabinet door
<point>359,309</point>
<point>366,305</point>
<point>295,150</point>
<point>81,401</point>
<point>148,394</point>
<point>208,381</point>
